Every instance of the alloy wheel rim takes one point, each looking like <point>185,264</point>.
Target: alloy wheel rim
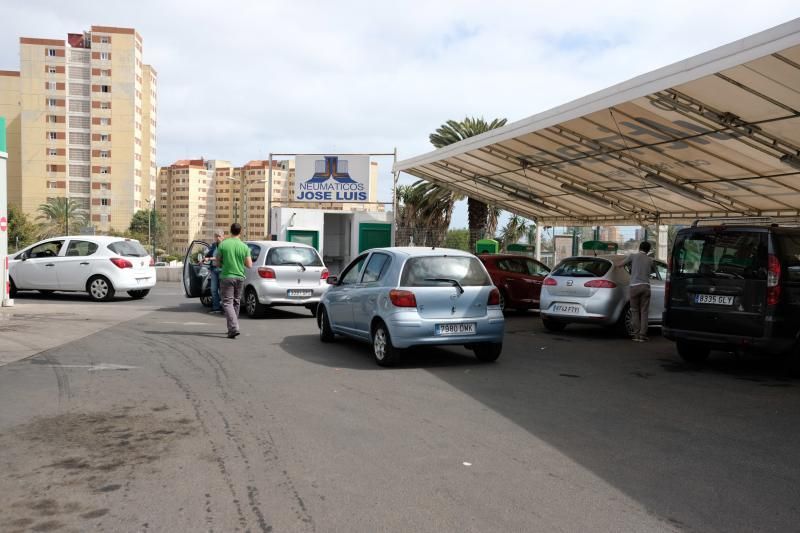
<point>380,344</point>
<point>251,303</point>
<point>99,288</point>
<point>502,302</point>
<point>629,322</point>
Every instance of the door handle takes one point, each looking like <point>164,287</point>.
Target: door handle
<point>50,265</point>
<point>85,263</point>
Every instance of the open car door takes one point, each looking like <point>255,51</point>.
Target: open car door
<point>195,270</point>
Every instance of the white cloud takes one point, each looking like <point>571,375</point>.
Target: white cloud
<point>238,79</point>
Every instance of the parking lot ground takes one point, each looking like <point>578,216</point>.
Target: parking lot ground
<point>160,423</point>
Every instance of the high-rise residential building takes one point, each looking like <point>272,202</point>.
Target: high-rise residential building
<point>186,202</point>
<point>82,115</point>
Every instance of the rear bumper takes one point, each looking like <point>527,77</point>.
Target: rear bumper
<point>131,281</point>
<point>274,294</point>
<point>726,342</point>
<point>406,333</point>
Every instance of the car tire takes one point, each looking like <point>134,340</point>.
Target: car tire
<point>12,288</point>
<point>625,323</point>
<point>503,300</point>
<point>138,295</point>
<point>487,351</point>
<point>206,301</point>
<point>383,351</point>
<point>693,352</point>
<point>553,325</point>
<point>100,289</point>
<point>252,306</point>
<point>313,308</point>
<point>326,333</point>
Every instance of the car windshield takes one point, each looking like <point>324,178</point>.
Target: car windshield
<point>434,271</point>
<point>730,254</point>
<point>582,268</point>
<point>128,248</point>
<point>293,255</point>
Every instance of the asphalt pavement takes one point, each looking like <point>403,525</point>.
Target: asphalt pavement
<point>145,417</point>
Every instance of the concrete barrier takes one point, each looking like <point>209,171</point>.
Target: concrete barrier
<point>169,273</point>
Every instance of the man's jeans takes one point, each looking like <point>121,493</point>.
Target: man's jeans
<point>216,302</point>
<point>231,289</point>
<point>640,308</point>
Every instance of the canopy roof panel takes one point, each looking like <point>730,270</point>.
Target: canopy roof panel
<point>714,135</point>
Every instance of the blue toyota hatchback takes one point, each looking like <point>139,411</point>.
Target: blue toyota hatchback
<point>398,298</point>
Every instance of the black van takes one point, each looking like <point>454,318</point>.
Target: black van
<point>733,287</point>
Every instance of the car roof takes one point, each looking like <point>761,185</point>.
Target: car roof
<point>422,251</point>
<point>99,239</point>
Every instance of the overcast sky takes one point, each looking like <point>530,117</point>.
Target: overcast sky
<point>240,79</point>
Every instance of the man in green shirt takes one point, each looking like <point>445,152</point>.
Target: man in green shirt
<point>232,256</point>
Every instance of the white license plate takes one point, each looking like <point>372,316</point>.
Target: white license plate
<point>568,309</point>
<point>456,329</point>
<point>713,299</point>
<point>295,293</point>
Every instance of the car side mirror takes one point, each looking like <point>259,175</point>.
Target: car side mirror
<point>333,280</point>
<point>23,256</point>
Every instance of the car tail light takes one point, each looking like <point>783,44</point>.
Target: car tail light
<point>324,275</point>
<point>494,297</point>
<point>600,284</point>
<point>773,281</point>
<point>152,262</point>
<point>266,273</point>
<point>550,281</point>
<point>121,263</point>
<point>402,298</point>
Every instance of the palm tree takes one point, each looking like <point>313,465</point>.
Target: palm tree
<point>61,216</point>
<point>424,214</point>
<point>452,132</point>
<point>513,231</point>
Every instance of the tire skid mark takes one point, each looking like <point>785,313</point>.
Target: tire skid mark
<point>62,380</point>
<point>220,462</point>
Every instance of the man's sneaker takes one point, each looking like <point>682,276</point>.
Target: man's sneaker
<point>233,334</point>
<point>638,339</point>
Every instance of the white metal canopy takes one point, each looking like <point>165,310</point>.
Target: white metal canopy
<point>714,135</point>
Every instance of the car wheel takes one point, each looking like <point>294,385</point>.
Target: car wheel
<point>206,301</point>
<point>502,301</point>
<point>383,351</point>
<point>625,323</point>
<point>138,295</point>
<point>488,351</point>
<point>100,289</point>
<point>313,308</point>
<point>252,306</point>
<point>325,332</point>
<point>693,352</point>
<point>46,292</point>
<point>12,289</point>
<point>553,325</point>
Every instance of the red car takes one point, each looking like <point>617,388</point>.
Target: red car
<point>518,277</point>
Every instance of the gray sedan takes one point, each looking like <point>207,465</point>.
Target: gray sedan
<point>591,290</point>
<point>397,298</point>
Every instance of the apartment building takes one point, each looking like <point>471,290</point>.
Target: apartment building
<point>82,124</point>
<point>186,202</point>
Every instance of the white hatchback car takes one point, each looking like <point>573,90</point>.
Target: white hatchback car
<point>101,266</point>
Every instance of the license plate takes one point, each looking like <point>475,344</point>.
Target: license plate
<point>568,309</point>
<point>295,293</point>
<point>713,299</point>
<point>456,329</point>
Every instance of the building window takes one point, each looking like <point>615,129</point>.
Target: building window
<point>105,88</point>
<point>105,105</point>
<point>51,52</point>
<point>105,72</point>
<point>105,137</point>
<point>105,201</point>
<point>105,56</point>
<point>104,170</point>
<point>104,218</point>
<point>105,40</point>
<point>52,135</point>
<point>105,153</point>
<point>50,85</point>
<point>105,121</point>
<point>51,69</point>
<point>52,151</point>
<point>52,185</point>
<point>52,102</point>
<point>105,186</point>
<point>52,119</point>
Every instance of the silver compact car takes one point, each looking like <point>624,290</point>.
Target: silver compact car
<point>283,274</point>
<point>397,298</point>
<point>591,290</point>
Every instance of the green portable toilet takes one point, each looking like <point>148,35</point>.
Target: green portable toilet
<point>487,246</point>
<point>374,235</point>
<point>519,248</point>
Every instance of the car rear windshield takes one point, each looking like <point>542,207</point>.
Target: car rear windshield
<point>434,271</point>
<point>727,255</point>
<point>789,255</point>
<point>128,249</point>
<point>582,268</point>
<point>293,255</point>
